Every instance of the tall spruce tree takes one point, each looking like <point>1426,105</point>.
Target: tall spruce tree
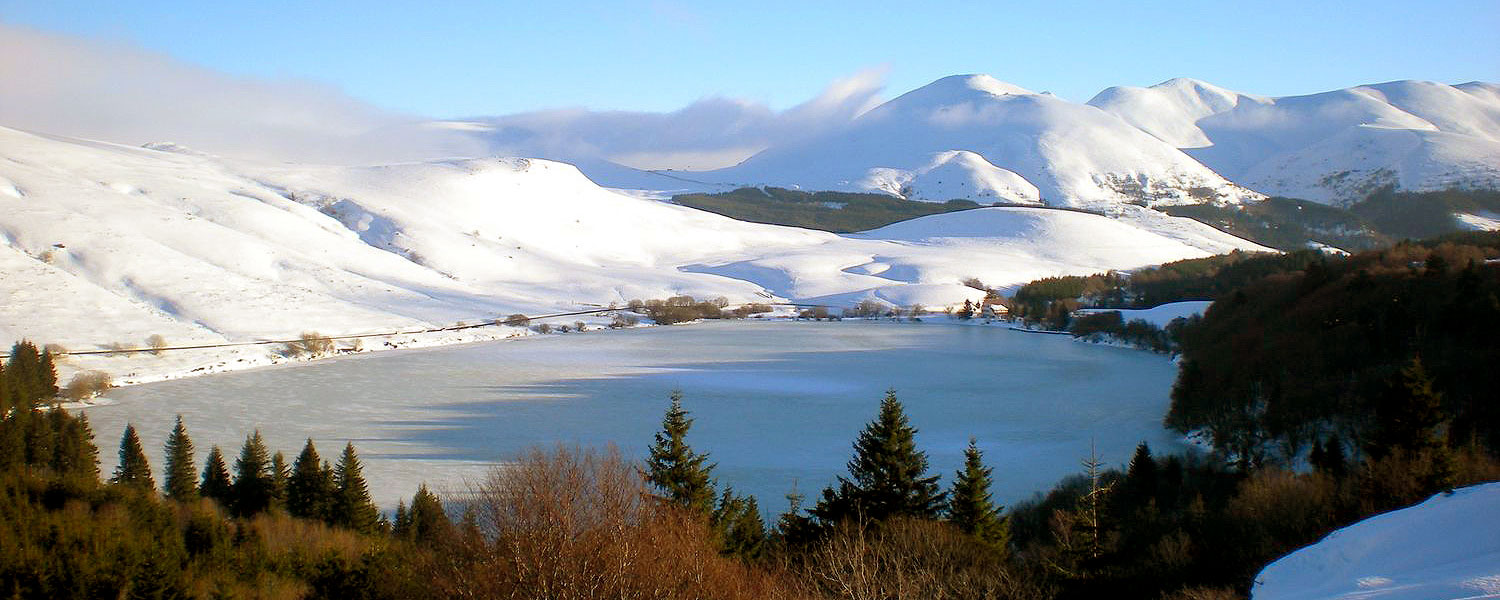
<point>74,455</point>
<point>428,521</point>
<point>310,488</point>
<point>133,470</point>
<point>888,475</point>
<point>1141,478</point>
<point>215,482</point>
<point>281,474</point>
<point>739,527</point>
<point>181,479</point>
<point>682,475</point>
<point>1409,415</point>
<point>253,487</point>
<point>970,505</point>
<point>352,507</point>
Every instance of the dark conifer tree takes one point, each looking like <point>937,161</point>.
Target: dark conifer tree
<point>739,527</point>
<point>401,525</point>
<point>133,469</point>
<point>280,476</point>
<point>181,482</point>
<point>74,454</point>
<point>428,520</point>
<point>352,507</point>
<point>1408,415</point>
<point>970,504</point>
<point>888,475</point>
<point>215,482</point>
<point>310,487</point>
<point>1141,477</point>
<point>252,489</point>
<point>682,475</point>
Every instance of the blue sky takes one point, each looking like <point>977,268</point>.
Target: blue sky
<point>449,59</point>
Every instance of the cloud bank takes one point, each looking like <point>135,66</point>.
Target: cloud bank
<point>710,133</point>
<point>121,93</point>
<point>118,92</point>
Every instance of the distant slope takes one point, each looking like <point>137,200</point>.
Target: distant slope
<point>1446,547</point>
<point>105,244</point>
<point>971,136</point>
<point>1335,147</point>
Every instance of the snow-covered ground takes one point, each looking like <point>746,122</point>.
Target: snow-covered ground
<point>1446,547</point>
<point>104,245</point>
<point>1160,315</point>
<point>972,136</point>
<point>1334,147</point>
<point>1180,141</point>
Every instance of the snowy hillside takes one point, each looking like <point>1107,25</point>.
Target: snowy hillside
<point>103,244</point>
<point>972,136</point>
<point>1334,147</point>
<point>1446,547</point>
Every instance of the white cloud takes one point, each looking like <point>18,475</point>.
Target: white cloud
<point>121,93</point>
<point>710,133</point>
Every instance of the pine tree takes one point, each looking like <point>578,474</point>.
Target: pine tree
<point>1141,478</point>
<point>133,469</point>
<point>352,507</point>
<point>252,490</point>
<point>682,475</point>
<point>73,455</point>
<point>215,482</point>
<point>429,521</point>
<point>888,473</point>
<point>310,488</point>
<point>280,476</point>
<point>970,505</point>
<point>181,482</point>
<point>401,525</point>
<point>739,527</point>
<point>1409,414</point>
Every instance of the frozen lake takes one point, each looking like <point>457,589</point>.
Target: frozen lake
<point>776,404</point>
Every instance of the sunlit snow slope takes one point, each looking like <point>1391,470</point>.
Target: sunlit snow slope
<point>103,244</point>
<point>1334,147</point>
<point>972,136</point>
<point>1446,547</point>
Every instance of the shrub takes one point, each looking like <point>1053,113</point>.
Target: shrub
<point>156,343</point>
<point>867,308</point>
<point>571,523</point>
<point>87,384</point>
<point>517,320</point>
<point>624,320</point>
<point>310,343</point>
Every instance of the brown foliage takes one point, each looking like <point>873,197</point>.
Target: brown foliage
<point>907,557</point>
<point>571,523</point>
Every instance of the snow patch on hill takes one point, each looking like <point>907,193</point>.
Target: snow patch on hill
<point>1446,547</point>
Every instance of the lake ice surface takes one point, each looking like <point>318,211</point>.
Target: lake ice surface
<point>776,404</point>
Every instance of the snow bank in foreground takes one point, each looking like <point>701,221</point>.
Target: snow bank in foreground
<point>1446,547</point>
<point>1159,316</point>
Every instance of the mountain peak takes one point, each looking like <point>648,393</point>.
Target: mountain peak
<point>976,82</point>
<point>958,89</point>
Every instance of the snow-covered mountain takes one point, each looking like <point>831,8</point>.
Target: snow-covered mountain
<point>1446,547</point>
<point>1334,147</point>
<point>972,136</point>
<point>103,244</point>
